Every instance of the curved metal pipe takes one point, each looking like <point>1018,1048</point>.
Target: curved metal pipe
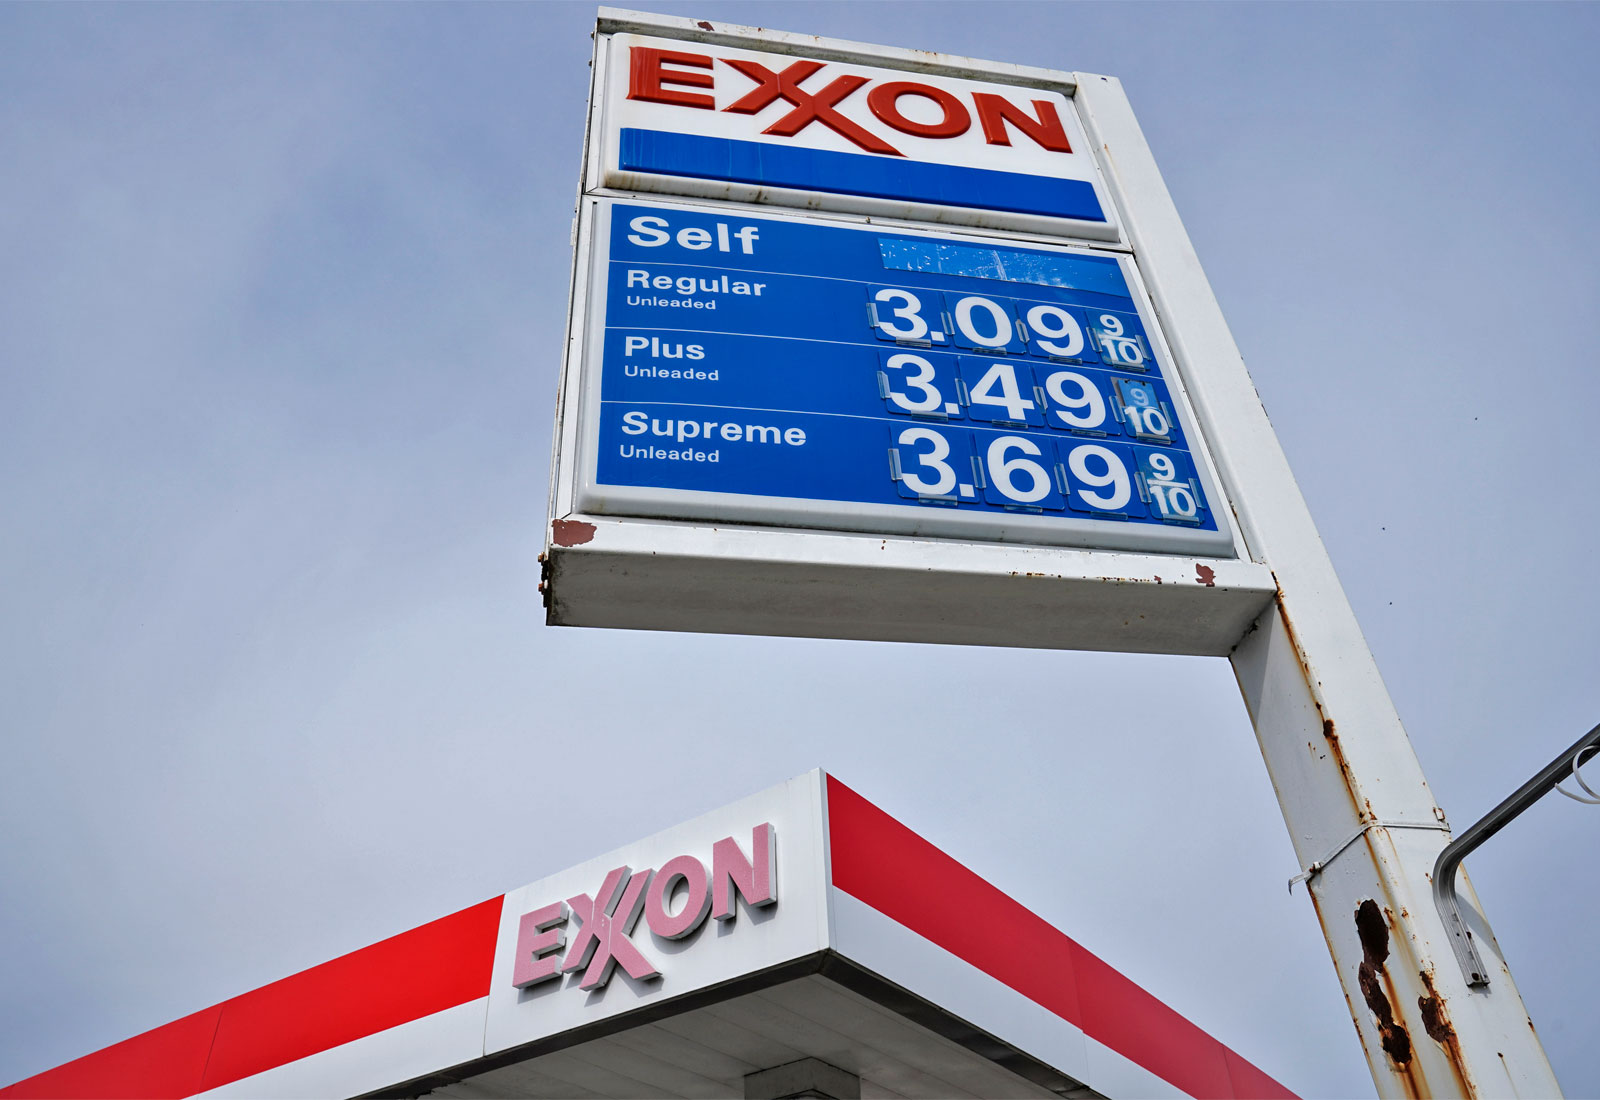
<point>1444,869</point>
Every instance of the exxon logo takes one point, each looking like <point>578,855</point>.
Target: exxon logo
<point>674,900</point>
<point>864,111</point>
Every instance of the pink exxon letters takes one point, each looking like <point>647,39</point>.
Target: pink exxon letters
<point>604,940</point>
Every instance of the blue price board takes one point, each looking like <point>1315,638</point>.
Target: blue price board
<point>786,371</point>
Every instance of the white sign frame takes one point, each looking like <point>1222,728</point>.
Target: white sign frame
<point>742,577</point>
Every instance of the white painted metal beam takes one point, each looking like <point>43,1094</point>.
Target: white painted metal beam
<point>1358,809</point>
<point>673,576</point>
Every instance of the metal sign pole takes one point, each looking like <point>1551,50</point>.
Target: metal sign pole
<point>917,405</point>
<point>1364,824</point>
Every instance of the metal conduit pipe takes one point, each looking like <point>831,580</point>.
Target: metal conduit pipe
<point>1444,869</point>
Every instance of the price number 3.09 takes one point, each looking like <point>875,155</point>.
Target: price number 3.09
<point>1007,326</point>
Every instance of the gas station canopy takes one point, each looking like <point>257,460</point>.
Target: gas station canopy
<point>797,942</point>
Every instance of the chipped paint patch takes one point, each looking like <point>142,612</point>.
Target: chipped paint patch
<point>1205,575</point>
<point>571,532</point>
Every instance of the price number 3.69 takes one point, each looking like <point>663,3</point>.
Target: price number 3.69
<point>1028,473</point>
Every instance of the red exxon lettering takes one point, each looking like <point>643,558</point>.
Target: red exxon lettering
<point>994,111</point>
<point>885,103</point>
<point>646,77</point>
<point>651,80</point>
<point>809,107</point>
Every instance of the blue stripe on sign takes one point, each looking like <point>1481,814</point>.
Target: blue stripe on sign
<point>768,165</point>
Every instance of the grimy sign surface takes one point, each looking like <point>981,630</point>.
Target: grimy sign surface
<point>779,371</point>
<point>784,371</point>
<point>873,343</point>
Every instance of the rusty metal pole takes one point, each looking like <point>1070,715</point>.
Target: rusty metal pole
<point>1364,824</point>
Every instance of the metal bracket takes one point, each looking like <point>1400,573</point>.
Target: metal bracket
<point>1333,853</point>
<point>1444,871</point>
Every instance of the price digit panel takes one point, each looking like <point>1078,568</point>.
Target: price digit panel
<point>788,372</point>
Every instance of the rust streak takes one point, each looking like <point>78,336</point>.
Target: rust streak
<point>571,532</point>
<point>1376,986</point>
<point>1331,736</point>
<point>1436,1021</point>
<point>1315,686</point>
<point>1408,1079</point>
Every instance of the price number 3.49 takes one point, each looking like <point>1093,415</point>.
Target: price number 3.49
<point>1014,393</point>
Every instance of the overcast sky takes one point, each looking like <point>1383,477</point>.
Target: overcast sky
<point>282,291</point>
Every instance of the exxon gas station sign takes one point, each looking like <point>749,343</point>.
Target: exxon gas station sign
<point>826,292</point>
<point>674,900</point>
<point>720,122</point>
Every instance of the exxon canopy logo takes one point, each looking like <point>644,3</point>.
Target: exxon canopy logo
<point>817,97</point>
<point>673,899</point>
